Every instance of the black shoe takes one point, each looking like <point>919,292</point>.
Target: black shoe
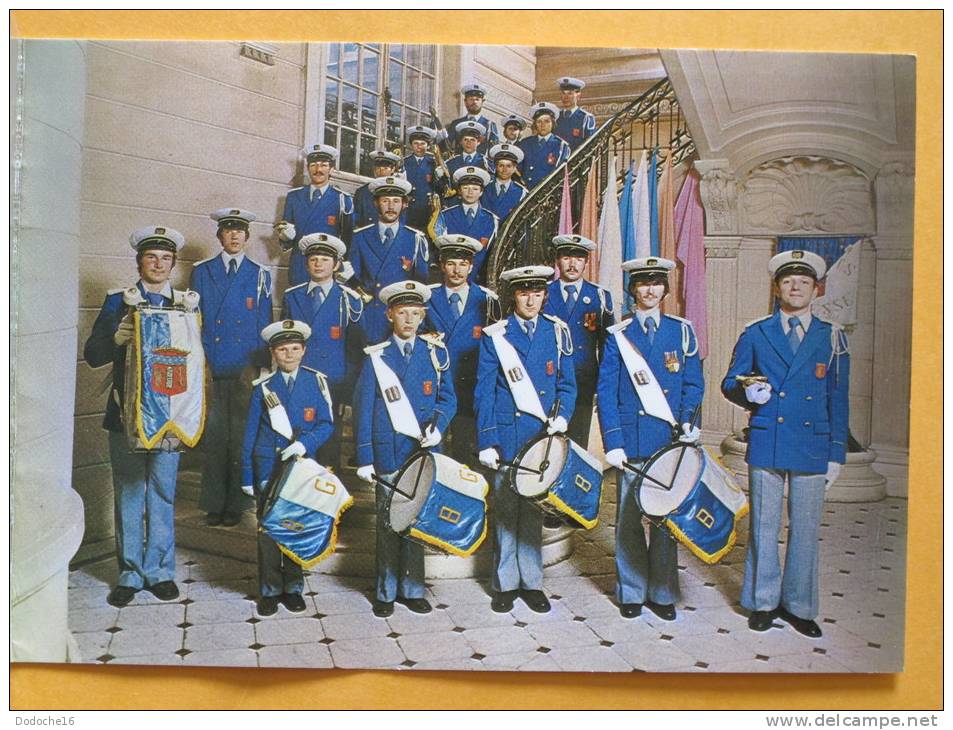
<point>761,620</point>
<point>230,519</point>
<point>417,605</point>
<point>551,522</point>
<point>212,519</point>
<point>293,602</point>
<point>267,606</point>
<point>665,611</point>
<point>804,626</point>
<point>503,601</point>
<point>383,609</point>
<point>120,596</point>
<point>166,590</point>
<point>536,600</point>
<point>630,610</point>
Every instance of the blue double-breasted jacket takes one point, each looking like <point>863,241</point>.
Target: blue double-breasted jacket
<point>804,424</point>
<point>490,139</point>
<point>575,127</point>
<point>587,319</point>
<point>673,359</point>
<point>502,206</point>
<point>331,213</point>
<point>483,228</point>
<point>547,362</point>
<point>541,157</point>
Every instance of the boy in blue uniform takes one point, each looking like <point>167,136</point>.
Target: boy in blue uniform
<point>143,481</point>
<point>332,311</point>
<point>473,98</point>
<point>236,304</point>
<point>574,125</point>
<point>504,193</point>
<point>386,252</point>
<point>544,151</point>
<point>460,311</point>
<point>587,309</point>
<point>526,387</point>
<point>469,134</point>
<point>791,371</point>
<point>646,575</point>
<point>414,373</point>
<point>294,395</point>
<point>513,126</point>
<point>419,169</point>
<point>469,218</point>
<point>365,212</point>
<point>320,207</point>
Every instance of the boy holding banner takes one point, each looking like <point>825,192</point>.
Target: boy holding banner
<point>289,416</point>
<point>526,387</point>
<point>650,381</point>
<point>404,401</point>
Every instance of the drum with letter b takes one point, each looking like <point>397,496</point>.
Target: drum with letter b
<point>561,478</point>
<point>440,502</point>
<point>686,489</point>
<point>302,508</point>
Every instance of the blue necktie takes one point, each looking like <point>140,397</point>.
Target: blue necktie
<point>455,307</point>
<point>156,300</point>
<point>388,237</point>
<point>793,340</point>
<point>530,329</point>
<point>408,351</point>
<point>650,326</point>
<point>291,383</point>
<point>468,159</point>
<point>471,214</point>
<point>571,295</point>
<point>315,194</point>
<point>232,267</point>
<point>318,294</point>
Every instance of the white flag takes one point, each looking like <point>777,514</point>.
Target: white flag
<point>641,211</point>
<point>839,303</point>
<point>610,241</point>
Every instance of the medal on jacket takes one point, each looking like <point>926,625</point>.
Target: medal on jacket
<point>589,321</point>
<point>309,414</point>
<point>551,159</point>
<point>671,362</point>
<point>820,370</point>
<point>405,263</point>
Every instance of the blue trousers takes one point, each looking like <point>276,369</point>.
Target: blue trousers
<point>644,571</point>
<point>518,543</point>
<point>144,492</point>
<point>400,562</point>
<point>764,588</point>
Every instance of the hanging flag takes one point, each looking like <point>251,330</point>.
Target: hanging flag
<point>627,226</point>
<point>673,303</point>
<point>653,203</point>
<point>565,207</point>
<point>690,248</point>
<point>610,241</point>
<point>589,222</point>
<point>837,300</point>
<point>640,210</point>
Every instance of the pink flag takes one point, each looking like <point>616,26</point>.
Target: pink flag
<point>589,221</point>
<point>565,208</point>
<point>690,240</point>
<point>673,303</point>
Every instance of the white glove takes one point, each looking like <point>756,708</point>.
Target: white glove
<point>556,425</point>
<point>346,271</point>
<point>296,449</point>
<point>131,297</point>
<point>690,434</point>
<point>366,473</point>
<point>286,231</point>
<point>759,393</point>
<point>249,490</point>
<point>616,457</point>
<point>122,335</point>
<point>833,471</point>
<point>443,134</point>
<point>438,173</point>
<point>490,458</point>
<point>431,438</point>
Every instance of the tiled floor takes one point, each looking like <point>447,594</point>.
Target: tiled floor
<point>214,623</point>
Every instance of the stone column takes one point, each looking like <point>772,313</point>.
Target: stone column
<point>48,110</point>
<point>893,315</point>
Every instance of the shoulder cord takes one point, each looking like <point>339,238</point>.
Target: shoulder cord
<point>687,340</point>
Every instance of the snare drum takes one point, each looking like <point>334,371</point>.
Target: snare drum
<point>561,478</point>
<point>686,489</point>
<point>440,502</point>
<point>301,511</point>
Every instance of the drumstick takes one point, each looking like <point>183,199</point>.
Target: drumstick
<point>633,468</point>
<point>512,464</point>
<point>681,453</point>
<point>544,464</point>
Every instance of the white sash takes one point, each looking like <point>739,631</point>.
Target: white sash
<point>643,379</point>
<point>399,409</point>
<point>277,413</point>
<point>517,377</point>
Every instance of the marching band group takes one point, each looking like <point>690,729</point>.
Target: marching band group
<point>363,324</point>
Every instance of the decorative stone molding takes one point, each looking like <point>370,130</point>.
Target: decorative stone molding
<point>894,190</point>
<point>807,195</point>
<point>719,193</point>
<point>722,247</point>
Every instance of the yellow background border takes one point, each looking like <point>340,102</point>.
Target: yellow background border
<point>919,686</point>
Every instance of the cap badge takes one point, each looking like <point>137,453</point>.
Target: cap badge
<point>160,231</point>
<point>390,181</point>
<point>797,254</point>
<point>288,324</point>
<point>409,285</point>
<point>471,169</point>
<point>652,262</point>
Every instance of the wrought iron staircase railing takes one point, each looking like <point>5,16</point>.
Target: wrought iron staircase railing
<point>653,120</point>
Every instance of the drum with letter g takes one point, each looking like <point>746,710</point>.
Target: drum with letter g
<point>440,502</point>
<point>561,478</point>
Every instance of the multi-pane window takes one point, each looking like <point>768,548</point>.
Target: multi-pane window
<point>372,92</point>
